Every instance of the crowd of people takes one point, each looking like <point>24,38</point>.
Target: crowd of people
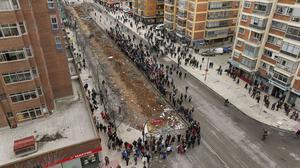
<point>145,57</point>
<point>162,77</point>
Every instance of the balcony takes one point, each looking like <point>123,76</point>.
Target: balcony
<point>293,37</point>
<point>169,10</point>
<point>180,31</point>
<point>170,2</point>
<point>290,70</point>
<point>210,16</point>
<point>279,83</point>
<point>257,27</point>
<point>181,14</point>
<point>181,24</point>
<point>262,8</point>
<point>215,35</point>
<point>290,54</point>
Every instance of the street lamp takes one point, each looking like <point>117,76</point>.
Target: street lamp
<point>144,132</point>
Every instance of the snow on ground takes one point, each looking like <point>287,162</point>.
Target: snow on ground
<point>70,119</point>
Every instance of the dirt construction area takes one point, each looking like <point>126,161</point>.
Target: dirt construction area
<point>140,101</point>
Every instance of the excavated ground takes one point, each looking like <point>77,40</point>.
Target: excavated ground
<point>142,102</point>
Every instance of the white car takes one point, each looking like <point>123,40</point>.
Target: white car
<point>159,27</point>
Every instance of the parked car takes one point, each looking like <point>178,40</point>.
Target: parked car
<point>159,27</point>
<point>127,10</point>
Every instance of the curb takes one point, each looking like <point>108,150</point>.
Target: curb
<point>203,84</point>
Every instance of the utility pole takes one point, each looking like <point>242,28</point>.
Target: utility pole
<point>206,69</point>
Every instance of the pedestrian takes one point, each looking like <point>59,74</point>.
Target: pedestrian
<point>258,98</point>
<point>190,98</point>
<point>273,106</point>
<point>135,159</point>
<point>186,89</point>
<point>127,160</point>
<point>106,160</point>
<point>185,75</point>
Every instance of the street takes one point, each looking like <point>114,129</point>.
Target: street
<point>229,138</point>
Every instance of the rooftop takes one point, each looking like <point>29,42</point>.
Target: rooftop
<point>70,124</point>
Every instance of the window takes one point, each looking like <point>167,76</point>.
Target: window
<point>268,53</point>
<point>275,40</point>
<point>280,77</point>
<point>264,65</point>
<point>29,114</point>
<point>39,91</point>
<point>8,30</point>
<point>290,49</point>
<point>257,36</point>
<point>34,72</point>
<point>241,30</point>
<point>257,22</point>
<point>58,43</point>
<point>17,76</point>
<point>12,55</point>
<point>279,25</point>
<point>293,33</point>
<point>250,51</point>
<point>22,28</point>
<point>28,52</point>
<point>244,17</point>
<point>247,4</point>
<point>239,43</point>
<point>236,54</point>
<point>51,4</point>
<point>54,22</point>
<point>284,10</point>
<point>6,5</point>
<point>248,63</point>
<point>24,96</point>
<point>260,7</point>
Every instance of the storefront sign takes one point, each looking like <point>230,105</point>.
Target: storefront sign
<point>156,121</point>
<point>96,150</point>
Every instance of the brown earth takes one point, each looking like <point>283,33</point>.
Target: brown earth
<point>142,101</point>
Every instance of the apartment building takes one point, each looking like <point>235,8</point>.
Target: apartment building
<point>33,62</point>
<point>267,47</point>
<point>149,11</point>
<point>202,20</point>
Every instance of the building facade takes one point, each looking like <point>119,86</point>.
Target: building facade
<point>149,11</point>
<point>33,61</point>
<point>202,20</point>
<point>267,47</point>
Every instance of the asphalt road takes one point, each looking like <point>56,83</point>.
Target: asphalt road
<point>229,138</point>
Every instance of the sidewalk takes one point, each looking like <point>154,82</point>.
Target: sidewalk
<point>228,89</point>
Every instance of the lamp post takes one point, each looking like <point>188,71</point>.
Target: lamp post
<point>206,70</point>
<point>143,133</point>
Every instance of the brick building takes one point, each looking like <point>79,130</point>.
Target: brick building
<point>33,62</point>
<point>202,20</point>
<point>149,11</point>
<point>36,82</point>
<point>267,47</point>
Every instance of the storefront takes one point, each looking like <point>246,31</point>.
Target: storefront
<point>89,159</point>
<point>238,70</point>
<point>294,99</point>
